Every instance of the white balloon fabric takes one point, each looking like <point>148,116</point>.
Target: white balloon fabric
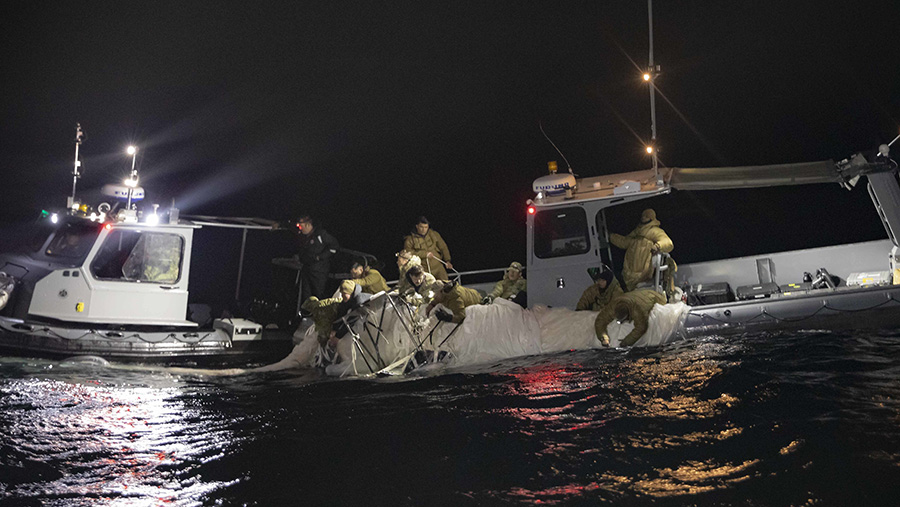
<point>392,332</point>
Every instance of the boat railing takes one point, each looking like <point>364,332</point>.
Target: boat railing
<point>474,279</point>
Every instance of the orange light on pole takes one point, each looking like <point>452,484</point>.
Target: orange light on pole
<point>647,76</point>
<point>649,150</point>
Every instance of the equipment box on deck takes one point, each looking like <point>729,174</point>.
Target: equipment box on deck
<point>793,289</point>
<point>758,291</point>
<point>239,329</point>
<point>709,294</point>
<point>869,279</point>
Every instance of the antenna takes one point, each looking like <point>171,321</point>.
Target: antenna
<point>650,76</point>
<point>555,148</point>
<point>79,137</point>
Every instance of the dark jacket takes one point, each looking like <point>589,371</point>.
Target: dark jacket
<point>316,249</point>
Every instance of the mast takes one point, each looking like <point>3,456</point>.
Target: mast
<point>79,135</point>
<point>650,77</point>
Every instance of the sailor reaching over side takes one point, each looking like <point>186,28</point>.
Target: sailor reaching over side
<point>368,278</point>
<point>455,298</point>
<point>328,314</point>
<point>632,306</point>
<point>325,312</point>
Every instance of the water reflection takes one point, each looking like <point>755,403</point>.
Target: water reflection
<point>97,443</point>
<point>615,412</point>
<point>694,477</point>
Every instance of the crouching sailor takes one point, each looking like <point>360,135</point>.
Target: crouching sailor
<point>634,306</point>
<point>418,285</point>
<point>512,287</point>
<point>453,297</point>
<point>405,260</point>
<point>605,289</point>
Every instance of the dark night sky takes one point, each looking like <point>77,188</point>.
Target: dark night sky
<point>369,115</point>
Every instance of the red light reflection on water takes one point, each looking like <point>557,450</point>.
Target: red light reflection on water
<point>569,410</point>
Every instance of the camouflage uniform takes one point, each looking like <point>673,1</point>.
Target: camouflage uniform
<point>458,299</point>
<point>638,303</point>
<point>638,246</point>
<point>420,245</point>
<point>596,299</point>
<point>371,282</point>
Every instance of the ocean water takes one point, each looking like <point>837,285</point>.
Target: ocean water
<point>768,419</point>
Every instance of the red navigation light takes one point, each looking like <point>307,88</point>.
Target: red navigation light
<point>107,226</point>
<point>299,227</point>
<point>531,210</point>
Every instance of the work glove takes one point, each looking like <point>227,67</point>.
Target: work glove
<point>443,315</point>
<point>487,300</point>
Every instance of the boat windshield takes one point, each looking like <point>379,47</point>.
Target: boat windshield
<point>72,240</point>
<point>139,256</point>
<point>560,232</point>
<point>42,231</point>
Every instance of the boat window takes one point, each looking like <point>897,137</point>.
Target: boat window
<point>560,232</point>
<point>73,240</point>
<point>41,233</point>
<point>139,256</point>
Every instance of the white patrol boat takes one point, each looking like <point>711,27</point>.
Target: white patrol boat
<point>112,282</point>
<point>854,285</point>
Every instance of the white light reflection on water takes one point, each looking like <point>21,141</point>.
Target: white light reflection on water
<point>105,444</point>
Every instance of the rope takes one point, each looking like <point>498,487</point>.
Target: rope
<point>123,338</point>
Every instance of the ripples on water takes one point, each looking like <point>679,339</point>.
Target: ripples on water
<point>799,419</point>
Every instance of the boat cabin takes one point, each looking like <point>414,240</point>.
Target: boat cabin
<point>567,229</point>
<point>113,273</point>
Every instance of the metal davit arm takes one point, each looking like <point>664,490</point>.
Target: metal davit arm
<point>778,175</point>
<point>885,193</point>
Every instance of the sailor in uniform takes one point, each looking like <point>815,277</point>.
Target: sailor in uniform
<point>315,251</point>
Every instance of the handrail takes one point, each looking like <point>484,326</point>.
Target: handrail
<point>462,273</point>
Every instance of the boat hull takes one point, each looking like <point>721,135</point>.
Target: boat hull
<point>31,338</point>
<point>840,309</point>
